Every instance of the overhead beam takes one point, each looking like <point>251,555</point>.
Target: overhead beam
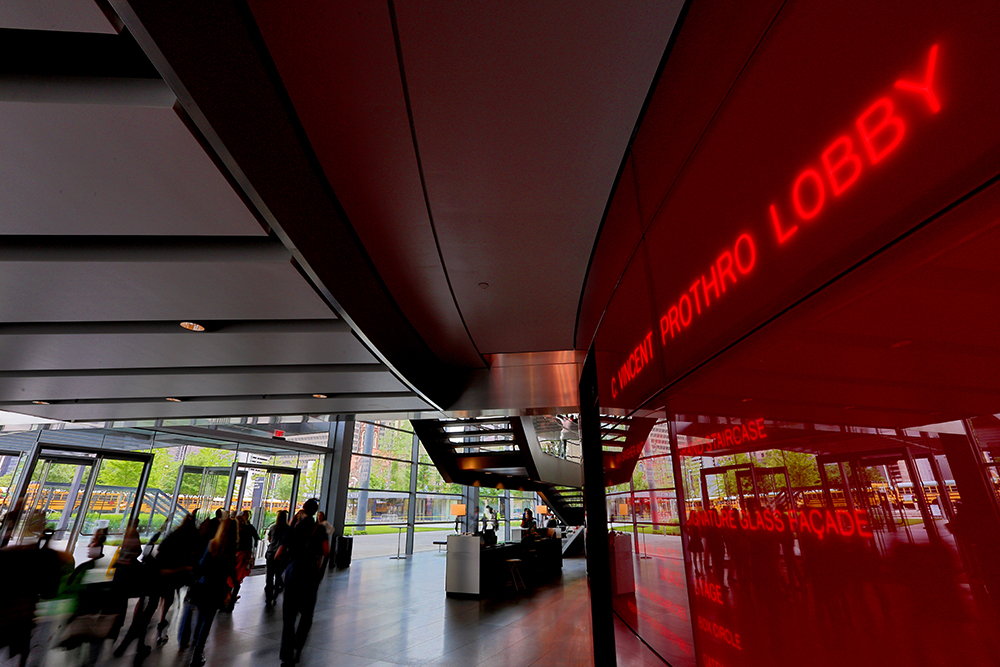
<point>100,248</point>
<point>78,68</point>
<point>173,327</point>
<point>213,399</point>
<point>472,462</point>
<point>297,369</point>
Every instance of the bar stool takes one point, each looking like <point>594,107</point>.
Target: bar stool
<point>515,573</point>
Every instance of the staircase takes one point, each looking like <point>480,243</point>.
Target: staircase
<point>505,453</point>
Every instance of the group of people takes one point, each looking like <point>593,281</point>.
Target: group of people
<point>211,561</point>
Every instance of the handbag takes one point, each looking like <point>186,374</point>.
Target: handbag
<point>86,628</point>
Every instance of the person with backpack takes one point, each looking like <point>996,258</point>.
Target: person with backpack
<point>304,547</point>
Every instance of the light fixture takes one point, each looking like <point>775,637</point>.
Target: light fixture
<point>173,400</point>
<point>901,343</point>
<point>41,403</point>
<point>747,400</point>
<point>319,395</point>
<point>483,285</point>
<point>192,326</point>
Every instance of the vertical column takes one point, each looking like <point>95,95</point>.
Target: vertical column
<point>470,496</point>
<point>598,554</point>
<point>365,475</point>
<point>506,514</point>
<point>977,516</point>
<point>411,511</point>
<point>337,473</point>
<point>918,493</point>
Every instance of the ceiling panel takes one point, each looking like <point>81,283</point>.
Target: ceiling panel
<point>183,349</point>
<point>167,410</point>
<point>523,112</point>
<point>68,15</point>
<point>90,169</point>
<point>130,386</point>
<point>81,291</point>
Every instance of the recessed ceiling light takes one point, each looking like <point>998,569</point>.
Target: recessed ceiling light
<point>192,326</point>
<point>483,285</point>
<point>747,400</point>
<point>319,395</point>
<point>901,343</point>
<point>174,400</point>
<point>41,403</point>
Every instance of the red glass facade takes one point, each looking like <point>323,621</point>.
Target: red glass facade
<point>801,252</point>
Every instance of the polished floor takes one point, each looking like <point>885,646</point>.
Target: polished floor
<point>385,613</point>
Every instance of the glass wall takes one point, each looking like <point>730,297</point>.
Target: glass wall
<point>188,475</point>
<point>383,486</point>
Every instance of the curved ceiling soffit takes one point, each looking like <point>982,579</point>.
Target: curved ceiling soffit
<point>242,110</point>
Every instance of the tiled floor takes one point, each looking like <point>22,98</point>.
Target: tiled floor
<point>383,613</point>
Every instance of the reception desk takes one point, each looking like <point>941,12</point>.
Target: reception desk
<point>474,570</point>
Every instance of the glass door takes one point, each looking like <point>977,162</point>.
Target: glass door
<point>199,490</point>
<point>66,493</point>
<point>264,490</point>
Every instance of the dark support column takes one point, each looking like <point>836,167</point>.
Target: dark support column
<point>921,498</point>
<point>411,508</point>
<point>598,554</point>
<point>944,499</point>
<point>977,520</point>
<point>367,444</point>
<point>470,496</point>
<point>337,473</point>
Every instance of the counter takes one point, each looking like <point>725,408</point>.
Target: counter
<point>478,571</point>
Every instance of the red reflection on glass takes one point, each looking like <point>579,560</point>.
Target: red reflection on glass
<point>880,129</point>
<point>877,144</point>
<point>846,157</point>
<point>818,194</point>
<point>925,87</point>
<point>720,277</point>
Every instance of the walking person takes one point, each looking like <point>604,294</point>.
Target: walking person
<point>247,538</point>
<point>273,584</point>
<point>211,586</point>
<point>304,548</point>
<point>328,527</point>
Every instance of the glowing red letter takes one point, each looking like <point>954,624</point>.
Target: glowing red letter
<point>725,265</point>
<point>847,158</point>
<point>753,254</point>
<point>820,194</point>
<point>925,87</point>
<point>680,306</point>
<point>781,234</point>
<point>869,133</point>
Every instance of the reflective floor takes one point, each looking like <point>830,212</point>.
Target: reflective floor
<point>381,613</point>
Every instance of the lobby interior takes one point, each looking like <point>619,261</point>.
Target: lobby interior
<point>709,280</point>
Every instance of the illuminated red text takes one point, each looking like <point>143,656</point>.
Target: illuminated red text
<point>635,362</point>
<point>877,132</point>
<point>731,437</point>
<point>708,288</point>
<point>709,591</point>
<point>720,632</point>
<point>818,522</point>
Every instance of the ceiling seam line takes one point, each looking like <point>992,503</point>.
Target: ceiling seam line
<point>420,171</point>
